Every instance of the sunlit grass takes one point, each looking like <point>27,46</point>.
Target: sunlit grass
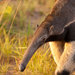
<point>14,44</point>
<point>4,68</point>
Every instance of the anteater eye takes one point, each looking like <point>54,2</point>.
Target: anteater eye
<point>44,39</point>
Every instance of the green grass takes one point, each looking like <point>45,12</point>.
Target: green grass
<point>15,35</point>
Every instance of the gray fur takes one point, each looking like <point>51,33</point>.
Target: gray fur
<point>67,58</point>
<point>52,29</point>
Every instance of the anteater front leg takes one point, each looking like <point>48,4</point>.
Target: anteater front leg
<point>57,49</point>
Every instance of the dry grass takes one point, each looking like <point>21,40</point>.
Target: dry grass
<point>17,24</point>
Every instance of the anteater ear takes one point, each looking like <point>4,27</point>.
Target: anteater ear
<point>57,34</point>
<point>37,25</point>
<point>59,30</point>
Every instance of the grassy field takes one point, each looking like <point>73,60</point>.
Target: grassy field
<point>18,21</point>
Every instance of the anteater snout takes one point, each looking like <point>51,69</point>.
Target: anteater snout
<point>21,67</point>
<point>64,72</point>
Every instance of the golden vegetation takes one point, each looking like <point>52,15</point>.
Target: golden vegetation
<point>18,20</point>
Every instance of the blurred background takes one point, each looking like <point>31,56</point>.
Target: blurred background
<point>18,22</point>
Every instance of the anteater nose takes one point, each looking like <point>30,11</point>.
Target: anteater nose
<point>64,72</point>
<point>21,67</point>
